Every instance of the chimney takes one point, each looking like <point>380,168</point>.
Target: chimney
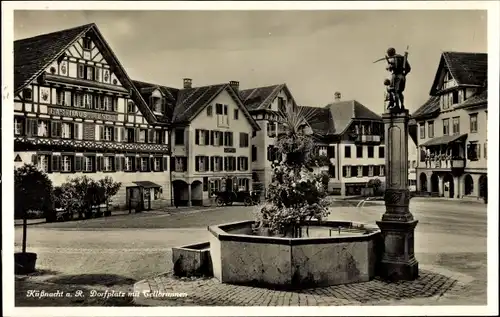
<point>235,85</point>
<point>337,95</point>
<point>188,83</point>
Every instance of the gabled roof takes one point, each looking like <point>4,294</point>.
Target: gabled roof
<point>468,69</point>
<point>33,55</point>
<point>319,119</point>
<point>183,105</point>
<point>344,112</point>
<point>260,97</point>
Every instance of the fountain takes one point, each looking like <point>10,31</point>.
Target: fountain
<point>290,245</point>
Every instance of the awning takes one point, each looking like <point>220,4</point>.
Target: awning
<point>446,139</point>
<point>147,184</point>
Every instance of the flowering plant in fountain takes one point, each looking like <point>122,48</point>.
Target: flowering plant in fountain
<point>295,194</point>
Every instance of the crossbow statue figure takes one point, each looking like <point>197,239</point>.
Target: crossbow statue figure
<point>399,67</point>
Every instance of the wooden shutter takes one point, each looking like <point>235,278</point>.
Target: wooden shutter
<point>151,165</point>
<point>116,132</point>
<point>185,163</point>
<point>206,163</point>
<point>196,165</point>
<point>122,162</point>
<point>98,162</point>
<point>165,163</point>
<point>136,135</point>
<point>197,136</point>
<point>241,139</point>
<point>151,135</point>
<point>78,163</point>
<point>211,138</point>
<point>118,166</point>
<point>55,163</point>
<point>101,132</point>
<point>225,163</point>
<point>123,135</point>
<point>212,163</point>
<point>230,138</point>
<point>114,102</point>
<point>172,163</point>
<point>207,137</point>
<point>137,166</point>
<point>53,129</point>
<point>34,159</point>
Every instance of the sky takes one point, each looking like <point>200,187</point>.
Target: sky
<point>316,53</point>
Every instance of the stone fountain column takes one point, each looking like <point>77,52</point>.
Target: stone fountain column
<point>397,225</point>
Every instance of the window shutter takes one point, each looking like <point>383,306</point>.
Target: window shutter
<point>241,139</point>
<point>116,132</point>
<point>212,137</point>
<point>165,163</point>
<point>101,132</point>
<point>122,163</point>
<point>98,163</point>
<point>55,161</point>
<point>163,105</point>
<point>151,135</point>
<point>137,165</point>
<point>136,135</point>
<point>172,163</point>
<point>29,127</point>
<point>212,163</point>
<point>225,163</point>
<point>78,163</point>
<point>123,135</point>
<point>185,161</point>
<point>53,129</point>
<point>207,137</point>
<point>34,159</point>
<point>114,102</point>
<point>206,163</point>
<point>76,131</point>
<point>245,163</point>
<point>118,166</point>
<point>197,136</point>
<point>196,165</point>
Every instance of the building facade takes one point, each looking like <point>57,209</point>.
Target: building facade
<point>452,129</point>
<point>76,112</point>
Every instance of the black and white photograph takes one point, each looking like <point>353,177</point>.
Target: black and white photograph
<point>243,158</point>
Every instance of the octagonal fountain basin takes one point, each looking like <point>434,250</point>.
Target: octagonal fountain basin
<point>330,253</point>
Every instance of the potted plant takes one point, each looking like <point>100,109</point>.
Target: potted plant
<point>32,191</point>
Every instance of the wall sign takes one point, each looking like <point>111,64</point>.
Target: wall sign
<point>82,114</point>
<point>229,150</point>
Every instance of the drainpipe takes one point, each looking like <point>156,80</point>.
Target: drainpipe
<point>170,167</point>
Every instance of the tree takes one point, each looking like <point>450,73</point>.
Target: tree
<point>32,191</point>
<point>295,193</point>
<point>111,188</point>
<point>376,184</point>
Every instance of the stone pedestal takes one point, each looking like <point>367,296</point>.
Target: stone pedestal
<point>397,225</point>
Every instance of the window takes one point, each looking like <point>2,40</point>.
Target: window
<point>129,164</point>
<point>79,100</point>
<point>271,129</point>
<point>370,171</point>
<point>473,151</point>
<point>66,163</point>
<point>422,130</point>
<point>236,114</point>
<point>81,71</point>
<point>142,135</point>
<point>27,93</point>
<point>217,163</point>
<point>230,163</point>
<point>243,184</point>
<point>157,164</point>
<point>485,150</point>
<point>43,163</point>
<point>242,163</point>
<point>376,170</point>
<point>281,104</point>
<point>209,110</point>
<point>179,136</point>
<point>87,43</point>
<point>89,72</point>
<point>225,110</point>
<point>454,96</point>
<point>381,152</point>
<point>201,163</point>
<point>42,128</point>
<point>88,101</point>
<point>144,164</point>
<point>108,133</point>
<point>108,163</point>
<point>88,163</point>
<point>456,125</point>
<point>359,151</point>
<point>382,170</point>
<point>214,186</point>
<point>370,151</point>
<point>473,123</point>
<point>157,104</point>
<point>63,97</point>
<point>130,107</point>
<point>346,171</point>
<point>430,129</point>
<point>18,125</point>
<point>244,139</point>
<point>158,136</point>
<point>254,153</point>
<point>218,109</point>
<point>347,153</point>
<point>67,128</point>
<point>446,126</point>
<point>330,151</point>
<point>359,171</point>
<point>180,164</point>
<point>228,139</point>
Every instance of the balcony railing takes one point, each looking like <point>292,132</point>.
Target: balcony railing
<point>367,138</point>
<point>445,163</point>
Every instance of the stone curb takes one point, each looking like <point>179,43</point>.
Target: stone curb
<point>459,281</point>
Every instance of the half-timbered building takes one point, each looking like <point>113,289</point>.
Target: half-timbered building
<point>76,112</point>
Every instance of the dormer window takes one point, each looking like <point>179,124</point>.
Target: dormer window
<point>27,93</point>
<point>156,104</point>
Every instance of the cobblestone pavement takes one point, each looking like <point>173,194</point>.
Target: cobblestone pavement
<point>432,284</point>
<point>131,248</point>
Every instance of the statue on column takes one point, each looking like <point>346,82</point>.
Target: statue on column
<point>399,67</point>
